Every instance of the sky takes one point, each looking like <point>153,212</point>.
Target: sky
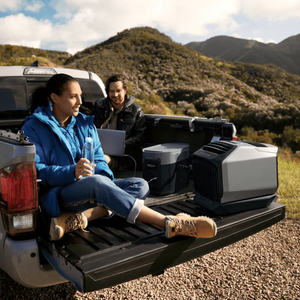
<point>73,25</point>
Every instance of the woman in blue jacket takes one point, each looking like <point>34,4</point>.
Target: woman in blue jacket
<point>58,131</point>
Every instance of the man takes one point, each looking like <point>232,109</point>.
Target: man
<point>118,111</point>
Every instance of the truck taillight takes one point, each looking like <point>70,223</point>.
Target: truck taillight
<point>19,198</point>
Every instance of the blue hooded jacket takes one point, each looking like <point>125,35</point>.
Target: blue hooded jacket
<point>57,152</point>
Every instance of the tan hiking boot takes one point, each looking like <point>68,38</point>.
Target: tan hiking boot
<point>66,222</point>
<point>184,224</point>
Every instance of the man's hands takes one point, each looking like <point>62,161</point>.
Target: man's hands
<point>83,168</point>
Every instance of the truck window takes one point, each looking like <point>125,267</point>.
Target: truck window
<point>90,91</point>
<point>32,85</point>
<point>13,100</point>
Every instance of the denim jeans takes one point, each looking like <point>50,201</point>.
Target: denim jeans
<point>124,197</point>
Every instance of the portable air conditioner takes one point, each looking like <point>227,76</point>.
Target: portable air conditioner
<point>235,176</point>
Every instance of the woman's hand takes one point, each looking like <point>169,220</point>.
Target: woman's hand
<point>83,168</point>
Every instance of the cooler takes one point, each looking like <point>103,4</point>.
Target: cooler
<point>166,167</point>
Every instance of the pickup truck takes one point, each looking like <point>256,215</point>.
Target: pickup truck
<point>113,251</point>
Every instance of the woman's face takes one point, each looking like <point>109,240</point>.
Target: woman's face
<point>68,103</point>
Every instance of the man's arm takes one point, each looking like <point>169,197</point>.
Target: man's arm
<point>137,137</point>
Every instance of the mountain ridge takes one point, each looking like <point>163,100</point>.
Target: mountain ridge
<point>169,78</point>
<point>285,54</point>
<point>195,84</point>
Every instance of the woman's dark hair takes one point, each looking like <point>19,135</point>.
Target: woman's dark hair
<point>115,78</point>
<point>56,85</point>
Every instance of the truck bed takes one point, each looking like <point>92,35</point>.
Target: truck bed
<point>114,251</point>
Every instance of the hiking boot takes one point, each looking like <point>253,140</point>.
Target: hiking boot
<point>184,224</point>
<point>66,222</point>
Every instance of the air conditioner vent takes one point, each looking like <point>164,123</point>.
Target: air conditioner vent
<point>217,148</point>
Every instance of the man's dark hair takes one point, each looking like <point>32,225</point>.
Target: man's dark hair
<point>115,78</point>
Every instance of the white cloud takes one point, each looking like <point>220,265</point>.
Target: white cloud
<point>78,24</point>
<point>64,10</point>
<point>10,5</point>
<point>261,40</point>
<point>18,5</point>
<point>271,9</point>
<point>25,31</point>
<point>236,35</point>
<point>34,6</point>
<point>258,39</point>
<point>92,21</point>
<point>194,17</point>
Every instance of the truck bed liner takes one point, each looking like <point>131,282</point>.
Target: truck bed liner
<point>114,251</point>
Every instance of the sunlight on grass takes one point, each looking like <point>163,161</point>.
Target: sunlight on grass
<point>289,186</point>
<point>27,61</point>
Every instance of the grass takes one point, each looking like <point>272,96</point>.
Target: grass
<point>27,61</point>
<point>289,186</point>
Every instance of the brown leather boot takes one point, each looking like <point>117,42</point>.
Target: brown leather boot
<point>184,224</point>
<point>66,222</point>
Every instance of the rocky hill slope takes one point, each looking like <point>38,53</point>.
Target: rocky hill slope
<point>169,78</point>
<point>194,84</point>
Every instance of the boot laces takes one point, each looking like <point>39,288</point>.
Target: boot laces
<point>74,222</point>
<point>185,227</point>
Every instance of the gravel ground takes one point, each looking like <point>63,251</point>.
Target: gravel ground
<point>263,266</point>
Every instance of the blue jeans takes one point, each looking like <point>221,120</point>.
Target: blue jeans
<point>124,197</point>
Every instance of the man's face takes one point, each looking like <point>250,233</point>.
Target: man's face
<point>117,93</point>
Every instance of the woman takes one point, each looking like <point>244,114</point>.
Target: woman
<point>58,131</point>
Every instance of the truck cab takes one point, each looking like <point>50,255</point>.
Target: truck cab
<point>213,175</point>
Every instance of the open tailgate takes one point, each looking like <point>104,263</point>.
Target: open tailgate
<point>114,251</point>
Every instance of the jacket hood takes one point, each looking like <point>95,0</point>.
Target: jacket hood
<point>45,115</point>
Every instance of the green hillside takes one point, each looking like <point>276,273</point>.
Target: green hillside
<point>169,78</point>
<point>23,56</point>
<point>264,97</point>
